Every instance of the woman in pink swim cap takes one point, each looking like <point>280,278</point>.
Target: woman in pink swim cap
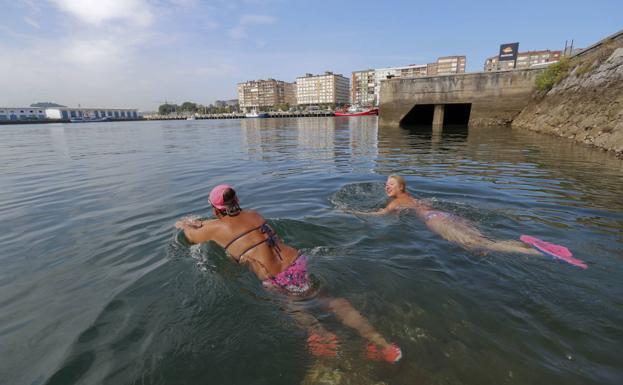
<point>248,239</point>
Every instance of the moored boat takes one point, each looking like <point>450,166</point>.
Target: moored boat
<point>89,120</point>
<point>255,114</point>
<point>358,112</point>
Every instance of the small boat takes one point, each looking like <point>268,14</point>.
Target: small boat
<point>255,114</point>
<point>191,118</point>
<point>356,111</point>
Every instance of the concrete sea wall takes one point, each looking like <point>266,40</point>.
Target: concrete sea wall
<point>495,97</point>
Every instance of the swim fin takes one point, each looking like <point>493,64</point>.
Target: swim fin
<point>556,251</point>
<point>391,353</point>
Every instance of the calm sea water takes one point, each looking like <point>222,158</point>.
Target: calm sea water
<point>97,287</point>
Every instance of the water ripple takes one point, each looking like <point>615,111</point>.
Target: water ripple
<point>98,287</point>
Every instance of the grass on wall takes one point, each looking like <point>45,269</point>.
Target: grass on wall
<point>553,75</point>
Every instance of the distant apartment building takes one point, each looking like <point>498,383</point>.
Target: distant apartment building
<point>366,85</point>
<point>431,69</point>
<point>289,94</point>
<point>524,60</point>
<point>362,90</point>
<point>262,94</point>
<point>328,88</point>
<point>448,65</point>
<point>412,70</point>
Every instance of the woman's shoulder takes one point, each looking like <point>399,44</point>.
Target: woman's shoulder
<point>250,214</point>
<point>245,218</point>
<point>406,200</point>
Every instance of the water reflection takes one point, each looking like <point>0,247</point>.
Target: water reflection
<point>364,141</point>
<point>58,140</point>
<point>316,137</point>
<point>342,143</point>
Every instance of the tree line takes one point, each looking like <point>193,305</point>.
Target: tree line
<point>189,108</point>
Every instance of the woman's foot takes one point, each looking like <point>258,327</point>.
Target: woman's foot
<point>322,343</point>
<point>390,353</point>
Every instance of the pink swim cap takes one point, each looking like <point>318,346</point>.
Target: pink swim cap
<point>216,196</point>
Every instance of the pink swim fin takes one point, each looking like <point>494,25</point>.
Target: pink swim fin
<point>556,251</point>
<point>391,353</point>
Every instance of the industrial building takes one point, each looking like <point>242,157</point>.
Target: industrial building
<point>22,113</point>
<point>65,113</point>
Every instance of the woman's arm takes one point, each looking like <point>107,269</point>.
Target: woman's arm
<point>384,211</point>
<point>195,230</point>
<point>392,206</point>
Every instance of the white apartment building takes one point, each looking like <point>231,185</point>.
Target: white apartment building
<point>363,88</point>
<point>261,94</point>
<point>328,88</point>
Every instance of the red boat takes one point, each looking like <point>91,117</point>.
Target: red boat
<point>351,112</point>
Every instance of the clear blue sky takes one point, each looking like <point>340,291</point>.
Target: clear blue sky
<point>139,53</point>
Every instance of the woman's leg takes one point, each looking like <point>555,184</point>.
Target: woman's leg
<point>320,341</point>
<point>350,317</point>
<point>511,246</point>
<point>465,233</point>
<point>344,311</point>
<point>458,230</point>
<point>378,349</point>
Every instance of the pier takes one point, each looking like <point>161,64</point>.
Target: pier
<point>241,115</point>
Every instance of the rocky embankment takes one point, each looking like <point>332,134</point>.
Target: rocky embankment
<point>587,104</point>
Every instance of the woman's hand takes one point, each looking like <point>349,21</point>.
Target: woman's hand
<point>188,222</point>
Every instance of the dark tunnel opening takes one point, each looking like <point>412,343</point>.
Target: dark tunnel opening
<point>420,115</point>
<point>457,114</point>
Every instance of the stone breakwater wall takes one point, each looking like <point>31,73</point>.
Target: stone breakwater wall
<point>587,105</point>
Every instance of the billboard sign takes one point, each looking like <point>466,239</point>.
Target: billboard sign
<point>508,51</point>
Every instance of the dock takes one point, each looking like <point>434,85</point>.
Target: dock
<point>240,115</point>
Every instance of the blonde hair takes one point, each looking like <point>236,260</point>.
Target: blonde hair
<point>400,180</point>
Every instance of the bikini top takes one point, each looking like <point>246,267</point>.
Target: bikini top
<point>271,239</point>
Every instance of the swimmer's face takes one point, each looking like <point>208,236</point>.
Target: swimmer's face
<point>392,187</point>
